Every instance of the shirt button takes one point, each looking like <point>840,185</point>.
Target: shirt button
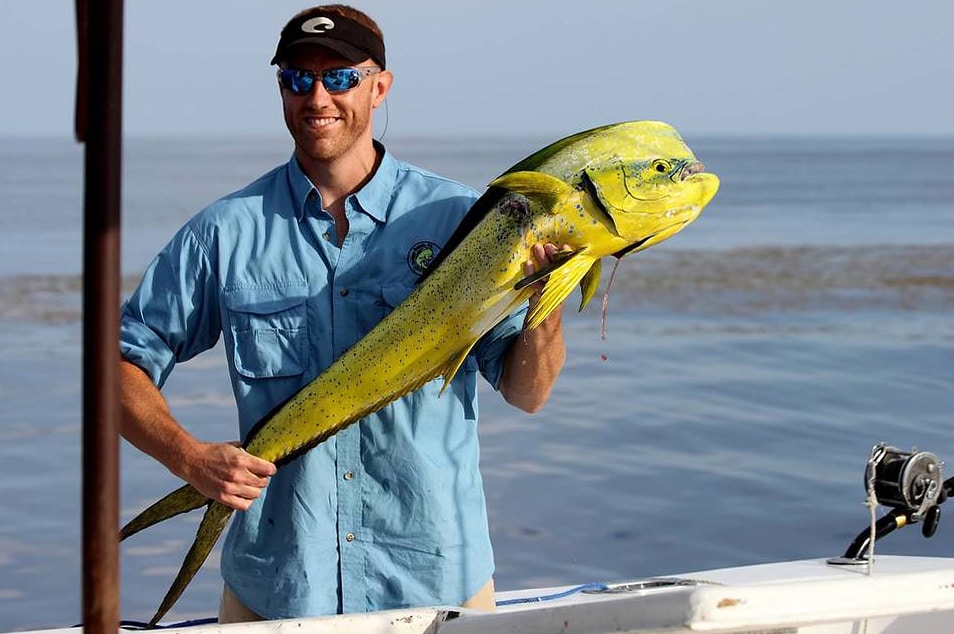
<point>350,537</point>
<point>343,292</point>
<point>348,475</point>
<point>326,235</point>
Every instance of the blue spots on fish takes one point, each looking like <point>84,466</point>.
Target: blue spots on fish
<point>516,211</point>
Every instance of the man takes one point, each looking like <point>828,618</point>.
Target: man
<point>291,271</point>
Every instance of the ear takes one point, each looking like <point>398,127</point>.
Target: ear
<point>382,84</point>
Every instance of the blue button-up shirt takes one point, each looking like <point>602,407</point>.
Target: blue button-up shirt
<point>390,512</point>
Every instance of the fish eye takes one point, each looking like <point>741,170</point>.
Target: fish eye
<point>661,166</point>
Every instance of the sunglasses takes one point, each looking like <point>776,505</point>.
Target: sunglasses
<point>335,80</point>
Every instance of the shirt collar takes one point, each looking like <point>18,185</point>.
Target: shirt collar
<point>301,188</point>
<point>373,199</point>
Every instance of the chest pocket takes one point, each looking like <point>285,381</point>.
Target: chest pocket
<point>393,294</point>
<point>374,303</point>
<point>269,330</point>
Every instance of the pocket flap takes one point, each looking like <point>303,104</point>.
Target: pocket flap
<point>394,294</point>
<point>269,330</point>
<point>265,300</point>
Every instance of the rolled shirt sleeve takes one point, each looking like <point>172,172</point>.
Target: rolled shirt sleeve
<point>173,315</point>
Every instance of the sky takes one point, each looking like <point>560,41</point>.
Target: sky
<point>507,67</point>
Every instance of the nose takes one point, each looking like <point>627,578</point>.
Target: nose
<point>319,94</point>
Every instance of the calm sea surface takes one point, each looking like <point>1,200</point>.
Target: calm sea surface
<point>749,365</point>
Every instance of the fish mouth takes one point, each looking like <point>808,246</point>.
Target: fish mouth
<point>687,170</point>
<point>694,172</point>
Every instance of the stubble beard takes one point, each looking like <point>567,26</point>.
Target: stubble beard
<point>331,143</point>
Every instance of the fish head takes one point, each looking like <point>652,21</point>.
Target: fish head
<point>649,185</point>
<point>641,180</point>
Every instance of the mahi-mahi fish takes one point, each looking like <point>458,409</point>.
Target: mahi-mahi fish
<point>613,190</point>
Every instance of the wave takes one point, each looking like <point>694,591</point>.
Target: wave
<point>714,282</point>
<point>47,298</point>
<point>770,279</point>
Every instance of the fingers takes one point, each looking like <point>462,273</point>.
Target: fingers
<point>545,252</point>
<point>232,476</point>
<point>541,256</point>
<point>245,478</point>
<point>257,466</point>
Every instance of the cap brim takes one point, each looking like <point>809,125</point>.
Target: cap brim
<point>347,51</point>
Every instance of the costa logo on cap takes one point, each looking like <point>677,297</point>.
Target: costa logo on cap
<point>318,25</point>
<point>352,39</point>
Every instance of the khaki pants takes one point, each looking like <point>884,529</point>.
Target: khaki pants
<point>231,610</point>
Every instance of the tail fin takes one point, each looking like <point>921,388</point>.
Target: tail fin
<point>182,500</point>
<point>212,525</point>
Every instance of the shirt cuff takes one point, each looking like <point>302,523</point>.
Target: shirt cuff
<point>491,350</point>
<point>142,347</point>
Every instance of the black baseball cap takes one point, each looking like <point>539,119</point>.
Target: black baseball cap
<point>349,38</point>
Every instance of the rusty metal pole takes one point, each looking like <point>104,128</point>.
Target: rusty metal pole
<point>99,125</point>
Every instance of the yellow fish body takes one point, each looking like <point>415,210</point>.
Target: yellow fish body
<point>609,191</point>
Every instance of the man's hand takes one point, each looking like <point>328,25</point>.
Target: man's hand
<point>536,357</point>
<point>227,473</point>
<point>222,471</point>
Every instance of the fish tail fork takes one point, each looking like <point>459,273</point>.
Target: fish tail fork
<point>213,523</point>
<point>182,500</point>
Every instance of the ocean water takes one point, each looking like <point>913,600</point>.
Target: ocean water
<point>748,366</point>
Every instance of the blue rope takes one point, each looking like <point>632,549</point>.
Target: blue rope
<point>142,625</point>
<point>557,595</point>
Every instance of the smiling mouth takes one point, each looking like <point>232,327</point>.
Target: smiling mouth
<point>321,120</point>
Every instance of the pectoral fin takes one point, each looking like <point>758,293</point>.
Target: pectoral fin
<point>590,283</point>
<point>549,190</point>
<point>558,260</point>
<point>563,279</point>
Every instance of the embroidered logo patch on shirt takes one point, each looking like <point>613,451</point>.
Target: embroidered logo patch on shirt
<point>421,255</point>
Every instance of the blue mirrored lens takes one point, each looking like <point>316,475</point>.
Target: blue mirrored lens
<point>299,82</point>
<point>302,82</point>
<point>340,79</point>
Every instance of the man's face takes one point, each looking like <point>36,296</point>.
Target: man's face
<point>327,126</point>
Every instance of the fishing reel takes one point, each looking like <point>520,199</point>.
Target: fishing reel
<point>910,483</point>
